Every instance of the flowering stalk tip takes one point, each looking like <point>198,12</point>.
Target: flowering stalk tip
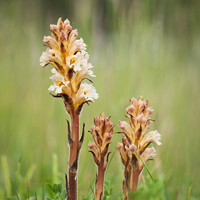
<point>102,134</point>
<point>67,55</point>
<point>135,142</point>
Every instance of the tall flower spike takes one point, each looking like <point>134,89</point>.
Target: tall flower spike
<point>67,55</point>
<point>102,135</point>
<point>70,61</point>
<point>136,142</point>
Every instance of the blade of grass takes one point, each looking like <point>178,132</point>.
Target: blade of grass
<point>14,189</point>
<point>6,173</point>
<point>42,192</point>
<point>35,195</point>
<point>191,184</point>
<point>110,161</point>
<point>195,176</point>
<point>55,168</point>
<point>27,189</point>
<point>145,165</point>
<point>30,172</point>
<point>1,193</point>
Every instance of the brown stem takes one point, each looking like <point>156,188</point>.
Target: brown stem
<point>135,178</point>
<point>73,158</point>
<point>124,189</point>
<point>100,180</point>
<point>131,180</point>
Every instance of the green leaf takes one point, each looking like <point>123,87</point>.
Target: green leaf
<point>55,186</point>
<point>64,194</point>
<point>51,187</point>
<point>60,187</point>
<point>152,191</point>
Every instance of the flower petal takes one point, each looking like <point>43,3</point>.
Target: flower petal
<point>51,42</point>
<point>127,130</point>
<point>106,140</point>
<point>93,147</point>
<point>122,153</point>
<point>152,136</point>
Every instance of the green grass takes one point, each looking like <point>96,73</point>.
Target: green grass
<point>139,49</point>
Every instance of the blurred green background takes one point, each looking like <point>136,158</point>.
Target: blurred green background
<point>148,48</point>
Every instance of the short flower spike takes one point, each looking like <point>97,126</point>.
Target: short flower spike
<point>136,142</point>
<point>102,134</point>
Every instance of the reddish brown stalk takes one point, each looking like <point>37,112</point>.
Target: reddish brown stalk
<point>135,177</point>
<point>132,180</point>
<point>124,190</point>
<point>73,158</point>
<point>100,180</point>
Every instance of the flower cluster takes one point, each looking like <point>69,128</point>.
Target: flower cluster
<point>135,142</point>
<point>70,61</point>
<point>102,134</point>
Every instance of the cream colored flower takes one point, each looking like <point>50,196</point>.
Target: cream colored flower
<point>68,56</point>
<point>58,81</point>
<point>86,93</point>
<point>78,60</point>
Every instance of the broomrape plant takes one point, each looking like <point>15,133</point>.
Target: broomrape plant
<point>70,61</point>
<point>133,149</point>
<point>102,135</point>
<point>68,56</point>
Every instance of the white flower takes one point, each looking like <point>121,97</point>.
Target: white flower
<point>51,56</point>
<point>44,59</point>
<point>58,81</point>
<point>88,92</point>
<point>78,60</point>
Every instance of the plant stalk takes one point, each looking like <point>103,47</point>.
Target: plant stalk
<point>100,180</point>
<point>74,150</point>
<point>135,178</point>
<point>132,180</point>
